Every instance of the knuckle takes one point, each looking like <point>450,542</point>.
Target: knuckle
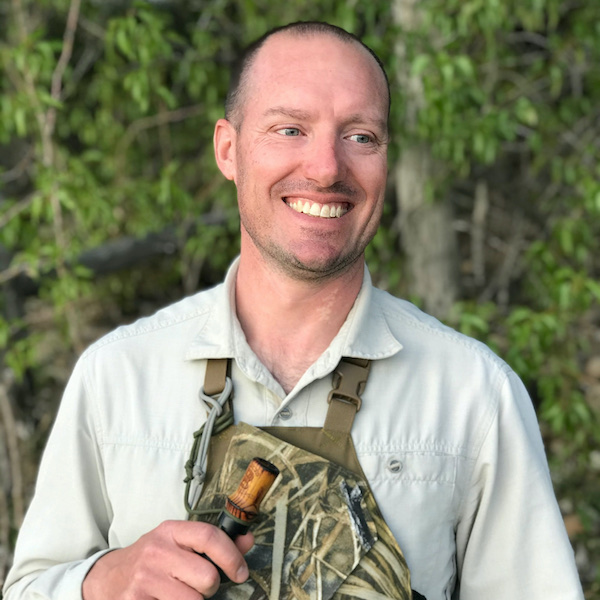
<point>165,528</point>
<point>212,583</point>
<point>210,534</point>
<point>137,581</point>
<point>152,550</point>
<point>151,553</point>
<point>208,537</point>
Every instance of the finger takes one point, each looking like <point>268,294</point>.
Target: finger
<point>205,575</point>
<point>204,538</point>
<point>224,553</point>
<point>169,585</point>
<point>200,572</point>
<point>244,542</point>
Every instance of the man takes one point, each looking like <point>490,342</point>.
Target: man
<point>446,434</point>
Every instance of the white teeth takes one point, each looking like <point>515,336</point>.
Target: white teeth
<point>326,211</point>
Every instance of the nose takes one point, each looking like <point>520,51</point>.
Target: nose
<point>324,162</point>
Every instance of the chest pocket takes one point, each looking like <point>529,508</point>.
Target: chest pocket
<point>410,467</point>
<point>416,493</point>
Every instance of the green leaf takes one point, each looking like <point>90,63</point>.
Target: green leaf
<point>123,43</point>
<point>464,65</point>
<point>526,112</point>
<point>420,63</point>
<point>20,118</point>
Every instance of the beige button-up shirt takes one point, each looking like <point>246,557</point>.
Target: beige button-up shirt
<point>446,436</point>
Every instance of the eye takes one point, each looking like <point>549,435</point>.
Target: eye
<point>361,138</point>
<point>289,131</point>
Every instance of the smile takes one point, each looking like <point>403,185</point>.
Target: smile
<point>314,209</point>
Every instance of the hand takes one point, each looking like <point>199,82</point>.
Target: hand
<point>164,564</point>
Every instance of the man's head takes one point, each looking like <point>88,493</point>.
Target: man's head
<point>306,145</point>
<point>235,99</point>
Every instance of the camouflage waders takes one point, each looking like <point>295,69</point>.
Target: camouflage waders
<point>320,534</point>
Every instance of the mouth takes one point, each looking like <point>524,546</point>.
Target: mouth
<point>314,209</point>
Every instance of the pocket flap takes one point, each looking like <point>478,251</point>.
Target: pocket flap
<point>314,525</point>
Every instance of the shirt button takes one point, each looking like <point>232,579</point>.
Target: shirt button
<point>285,413</point>
<point>394,465</point>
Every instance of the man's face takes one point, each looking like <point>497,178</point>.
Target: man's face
<point>309,157</point>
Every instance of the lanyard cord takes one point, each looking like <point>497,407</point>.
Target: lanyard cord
<point>195,467</point>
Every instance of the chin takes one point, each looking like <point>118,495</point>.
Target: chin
<point>317,268</point>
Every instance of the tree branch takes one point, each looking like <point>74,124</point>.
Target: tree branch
<point>162,118</point>
<point>529,37</point>
<point>15,172</point>
<point>61,65</point>
<point>480,211</point>
<point>12,445</point>
<point>122,253</point>
<point>15,210</point>
<point>500,284</point>
<point>12,273</point>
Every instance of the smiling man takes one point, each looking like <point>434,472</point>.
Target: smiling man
<point>421,446</point>
<point>306,145</point>
<point>308,155</point>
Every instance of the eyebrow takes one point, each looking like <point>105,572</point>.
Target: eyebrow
<point>293,113</point>
<point>357,118</point>
<point>303,115</point>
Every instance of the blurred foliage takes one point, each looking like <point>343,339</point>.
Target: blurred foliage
<point>512,98</point>
<point>106,118</point>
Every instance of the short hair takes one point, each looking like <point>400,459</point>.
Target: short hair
<point>241,68</point>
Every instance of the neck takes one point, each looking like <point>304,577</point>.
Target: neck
<point>289,323</point>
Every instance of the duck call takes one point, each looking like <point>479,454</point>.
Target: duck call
<point>241,507</point>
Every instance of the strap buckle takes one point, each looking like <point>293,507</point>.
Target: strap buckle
<point>349,381</point>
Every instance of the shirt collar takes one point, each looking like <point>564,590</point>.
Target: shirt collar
<point>364,334</point>
<point>217,337</point>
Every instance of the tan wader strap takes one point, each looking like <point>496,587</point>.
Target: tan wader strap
<point>349,381</point>
<point>214,378</point>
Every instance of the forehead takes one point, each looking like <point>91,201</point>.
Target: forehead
<point>295,69</point>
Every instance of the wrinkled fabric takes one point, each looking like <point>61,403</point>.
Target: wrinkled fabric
<point>446,436</point>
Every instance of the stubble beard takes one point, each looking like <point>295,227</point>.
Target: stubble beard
<point>315,271</point>
<point>285,259</point>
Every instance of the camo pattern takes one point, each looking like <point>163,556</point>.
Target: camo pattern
<point>319,535</point>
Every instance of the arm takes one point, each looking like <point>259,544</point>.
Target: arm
<point>64,531</point>
<point>64,538</point>
<point>511,540</point>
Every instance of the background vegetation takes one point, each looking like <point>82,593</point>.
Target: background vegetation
<point>111,205</point>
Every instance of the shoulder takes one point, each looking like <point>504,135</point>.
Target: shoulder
<point>423,334</point>
<point>452,388</point>
<point>453,373</point>
<point>177,322</point>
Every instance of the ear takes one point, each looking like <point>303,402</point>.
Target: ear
<point>224,142</point>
